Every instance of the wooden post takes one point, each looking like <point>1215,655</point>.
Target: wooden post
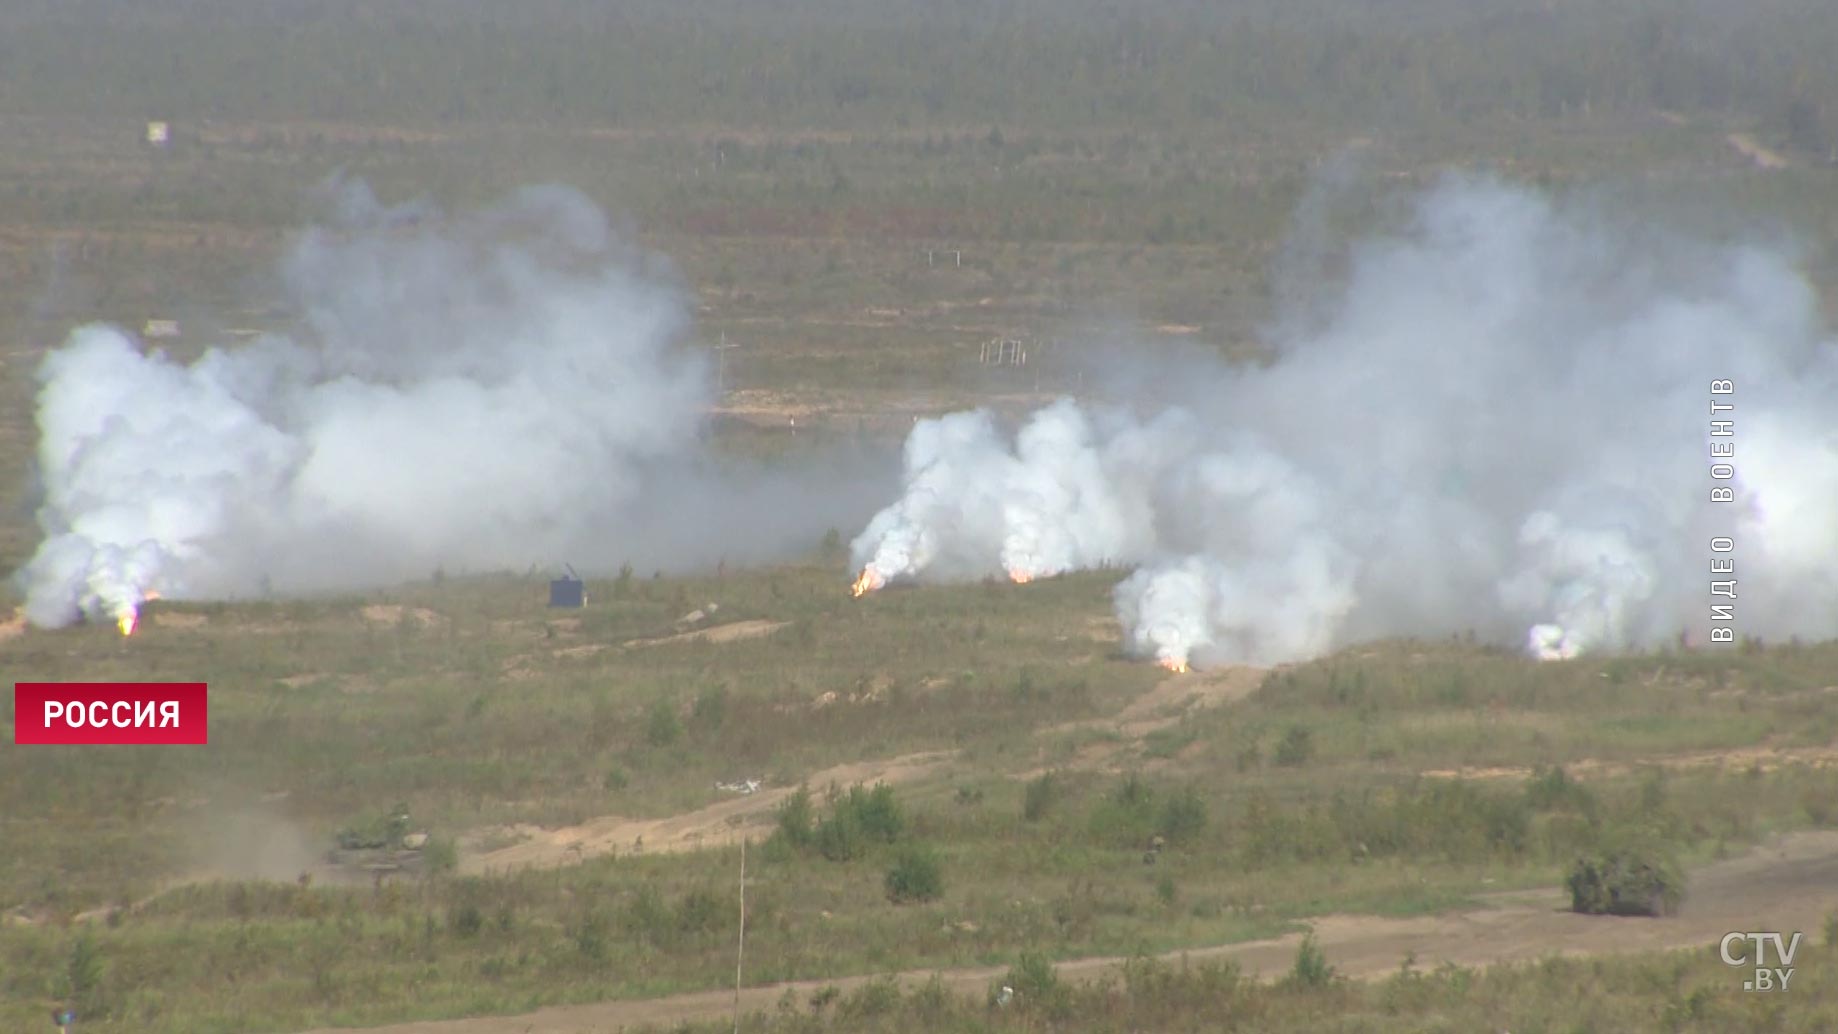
<point>740,950</point>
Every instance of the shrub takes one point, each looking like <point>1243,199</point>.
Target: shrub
<point>1183,815</point>
<point>1311,969</point>
<point>1625,882</point>
<point>648,918</point>
<point>1297,748</point>
<point>1038,797</point>
<point>916,876</point>
<point>441,855</point>
<point>1036,982</point>
<point>83,972</point>
<point>1165,890</point>
<point>698,912</point>
<point>1554,790</point>
<point>466,920</point>
<point>839,837</point>
<point>662,728</point>
<point>878,997</point>
<point>795,818</point>
<point>1032,975</point>
<point>875,811</point>
<point>710,709</point>
<point>591,936</point>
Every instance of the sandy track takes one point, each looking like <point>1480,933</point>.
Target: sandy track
<point>1165,705</point>
<point>727,633</point>
<point>719,824</point>
<point>1786,885</point>
<point>1764,759</point>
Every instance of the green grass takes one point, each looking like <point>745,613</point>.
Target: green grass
<point>1673,992</point>
<point>1159,195</point>
<point>427,716</point>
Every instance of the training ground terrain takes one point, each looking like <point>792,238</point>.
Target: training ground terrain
<point>1375,840</point>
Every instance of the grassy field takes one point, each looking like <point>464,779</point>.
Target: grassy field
<point>797,202</point>
<point>1332,788</point>
<point>1681,991</point>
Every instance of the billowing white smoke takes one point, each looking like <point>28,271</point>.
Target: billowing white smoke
<point>1502,424</point>
<point>481,392</point>
<point>973,505</point>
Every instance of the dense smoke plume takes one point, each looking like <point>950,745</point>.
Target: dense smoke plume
<point>483,392</point>
<point>1500,423</point>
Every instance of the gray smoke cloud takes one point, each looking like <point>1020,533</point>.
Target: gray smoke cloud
<point>477,392</point>
<point>1501,423</point>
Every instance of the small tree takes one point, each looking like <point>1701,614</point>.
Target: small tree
<point>662,727</point>
<point>83,974</point>
<point>916,876</point>
<point>1183,815</point>
<point>1311,969</point>
<point>795,818</point>
<point>1039,796</point>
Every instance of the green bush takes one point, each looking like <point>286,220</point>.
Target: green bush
<point>875,811</point>
<point>83,978</point>
<point>1553,790</point>
<point>1626,882</point>
<point>840,837</point>
<point>466,920</point>
<point>1033,975</point>
<point>1183,816</point>
<point>1311,969</point>
<point>710,709</point>
<point>662,727</point>
<point>1297,748</point>
<point>916,875</point>
<point>441,855</point>
<point>1038,796</point>
<point>699,912</point>
<point>795,817</point>
<point>592,936</point>
<point>858,820</point>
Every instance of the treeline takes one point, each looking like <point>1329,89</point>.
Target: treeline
<point>919,63</point>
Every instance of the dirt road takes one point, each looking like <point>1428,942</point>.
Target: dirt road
<point>724,822</point>
<point>1785,885</point>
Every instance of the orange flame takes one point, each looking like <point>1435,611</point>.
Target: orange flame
<point>1018,576</point>
<point>867,583</point>
<point>131,620</point>
<point>1176,666</point>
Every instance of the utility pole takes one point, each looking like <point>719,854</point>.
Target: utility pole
<point>741,949</point>
<point>721,368</point>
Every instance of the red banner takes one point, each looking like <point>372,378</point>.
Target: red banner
<point>110,712</point>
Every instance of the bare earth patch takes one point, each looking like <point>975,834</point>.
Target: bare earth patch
<point>719,634</point>
<point>719,824</point>
<point>170,620</point>
<point>1776,887</point>
<point>394,614</point>
<point>1172,699</point>
<point>1763,156</point>
<point>1765,759</point>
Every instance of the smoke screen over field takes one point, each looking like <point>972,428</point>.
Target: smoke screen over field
<point>479,392</point>
<point>1498,421</point>
<point>1494,417</point>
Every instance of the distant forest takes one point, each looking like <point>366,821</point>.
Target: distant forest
<point>926,63</point>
